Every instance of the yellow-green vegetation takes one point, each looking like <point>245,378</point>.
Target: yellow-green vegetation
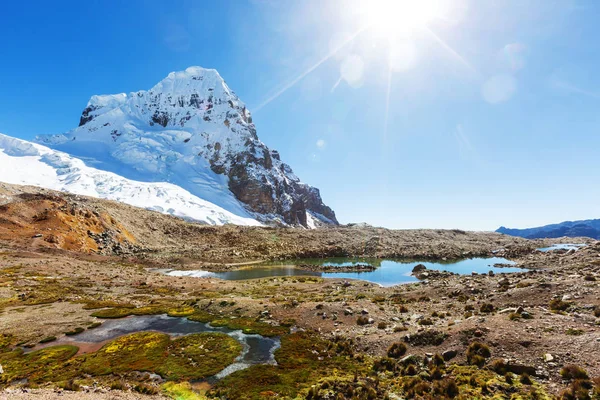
<point>111,313</point>
<point>316,369</point>
<point>18,365</point>
<point>96,304</point>
<point>6,341</point>
<point>477,353</point>
<point>195,356</point>
<point>557,305</point>
<point>201,316</point>
<point>75,331</point>
<point>181,391</point>
<point>181,312</point>
<point>303,360</point>
<point>251,326</point>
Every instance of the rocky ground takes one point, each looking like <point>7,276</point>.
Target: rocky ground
<point>68,262</point>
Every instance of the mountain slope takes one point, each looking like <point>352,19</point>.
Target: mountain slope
<point>26,163</point>
<point>193,131</point>
<point>585,228</point>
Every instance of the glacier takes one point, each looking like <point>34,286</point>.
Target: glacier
<point>26,163</point>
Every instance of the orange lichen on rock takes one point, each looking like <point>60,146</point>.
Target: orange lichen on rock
<point>39,220</point>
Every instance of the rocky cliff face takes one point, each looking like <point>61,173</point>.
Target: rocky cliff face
<point>191,129</point>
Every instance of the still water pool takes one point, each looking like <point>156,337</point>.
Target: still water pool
<point>388,272</point>
<point>562,246</point>
<point>256,349</point>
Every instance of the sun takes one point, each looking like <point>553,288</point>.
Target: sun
<point>397,17</point>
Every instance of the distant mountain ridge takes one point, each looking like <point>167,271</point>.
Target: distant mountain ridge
<point>584,228</point>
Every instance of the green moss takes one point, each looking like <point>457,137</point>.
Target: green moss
<point>557,305</point>
<point>181,312</point>
<point>574,332</point>
<point>17,365</point>
<point>48,339</point>
<point>136,352</point>
<point>195,356</point>
<point>96,304</point>
<point>94,325</point>
<point>6,341</point>
<point>201,316</point>
<point>251,326</point>
<point>302,361</point>
<point>198,356</point>
<point>181,391</point>
<point>111,313</point>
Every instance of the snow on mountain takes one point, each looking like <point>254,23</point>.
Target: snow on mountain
<point>193,131</point>
<point>27,163</point>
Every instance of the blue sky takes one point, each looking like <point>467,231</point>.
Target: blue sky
<point>493,107</point>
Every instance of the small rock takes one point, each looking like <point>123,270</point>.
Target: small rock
<point>419,268</point>
<point>449,354</point>
<point>548,357</point>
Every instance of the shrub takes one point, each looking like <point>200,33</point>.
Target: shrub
<point>425,321</point>
<point>396,350</point>
<point>574,332</point>
<point>438,360</point>
<point>362,320</point>
<point>514,316</point>
<point>570,372</point>
<point>446,387</point>
<point>477,353</point>
<point>145,389</point>
<point>410,370</point>
<point>381,325</point>
<point>597,312</point>
<point>71,385</point>
<point>436,374</point>
<point>384,364</point>
<point>429,337</point>
<point>579,390</point>
<point>559,305</point>
<point>525,379</point>
<point>486,308</point>
<point>508,378</point>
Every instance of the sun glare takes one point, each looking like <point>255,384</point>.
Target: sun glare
<point>397,17</point>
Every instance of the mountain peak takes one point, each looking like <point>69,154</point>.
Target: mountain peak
<point>192,130</point>
<point>193,80</point>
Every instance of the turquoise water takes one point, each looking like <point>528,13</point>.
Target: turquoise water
<point>562,246</point>
<point>388,272</point>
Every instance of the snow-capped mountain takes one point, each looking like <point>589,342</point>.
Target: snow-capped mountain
<point>27,163</point>
<point>192,131</point>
